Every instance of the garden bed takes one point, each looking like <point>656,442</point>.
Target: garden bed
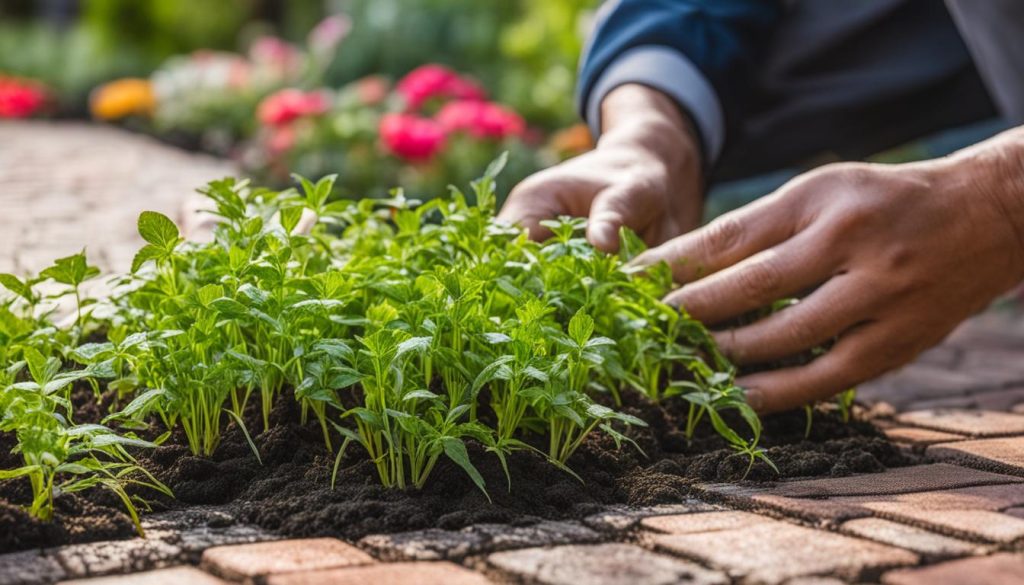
<point>290,492</point>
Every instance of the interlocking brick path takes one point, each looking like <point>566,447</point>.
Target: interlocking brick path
<point>956,517</point>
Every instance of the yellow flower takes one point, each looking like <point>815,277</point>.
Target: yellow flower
<point>122,98</point>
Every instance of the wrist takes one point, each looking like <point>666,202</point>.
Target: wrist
<point>640,117</point>
<point>995,170</point>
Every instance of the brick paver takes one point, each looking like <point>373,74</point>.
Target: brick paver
<point>774,551</point>
<point>1001,569</point>
<point>708,522</point>
<point>1005,454</point>
<point>976,423</point>
<point>415,573</point>
<point>919,437</point>
<point>602,564</point>
<point>244,561</point>
<point>923,542</point>
<point>171,576</point>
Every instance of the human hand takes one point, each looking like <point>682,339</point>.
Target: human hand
<point>896,256</point>
<point>644,174</point>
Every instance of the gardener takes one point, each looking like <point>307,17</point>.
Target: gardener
<point>684,93</point>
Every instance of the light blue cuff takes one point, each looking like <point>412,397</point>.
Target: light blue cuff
<point>670,72</point>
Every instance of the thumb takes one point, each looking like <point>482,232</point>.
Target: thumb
<point>613,208</point>
<point>544,197</point>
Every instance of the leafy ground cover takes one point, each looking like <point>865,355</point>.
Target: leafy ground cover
<point>401,364</point>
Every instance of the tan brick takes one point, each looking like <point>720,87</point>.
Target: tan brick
<point>1001,569</point>
<point>238,562</point>
<point>978,524</point>
<point>923,542</point>
<point>601,564</point>
<point>772,552</point>
<point>919,437</point>
<point>415,573</point>
<point>171,576</point>
<point>1005,454</point>
<point>976,423</point>
<point>702,522</point>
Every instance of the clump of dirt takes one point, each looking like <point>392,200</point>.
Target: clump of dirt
<point>291,491</point>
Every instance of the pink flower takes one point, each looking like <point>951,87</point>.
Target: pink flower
<point>481,119</point>
<point>19,98</point>
<point>324,37</point>
<point>275,53</point>
<point>287,105</point>
<point>281,140</point>
<point>436,81</point>
<point>372,89</point>
<point>411,137</point>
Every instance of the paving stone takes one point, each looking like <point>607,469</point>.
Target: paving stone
<point>1004,454</point>
<point>818,511</point>
<point>815,581</point>
<point>601,564</point>
<point>917,382</point>
<point>706,522</point>
<point>927,544</point>
<point>435,544</point>
<point>194,541</point>
<point>976,524</point>
<point>116,556</point>
<point>171,576</point>
<point>919,437</point>
<point>899,480</point>
<point>419,573</point>
<point>773,552</point>
<point>29,568</point>
<point>976,423</point>
<point>618,518</point>
<point>1000,569</point>
<point>246,561</point>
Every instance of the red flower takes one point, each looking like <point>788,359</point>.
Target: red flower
<point>436,81</point>
<point>411,137</point>
<point>20,98</point>
<point>287,105</point>
<point>481,119</point>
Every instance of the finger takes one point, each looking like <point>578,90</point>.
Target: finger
<point>790,268</point>
<point>836,306</point>
<point>860,355</point>
<point>726,240</point>
<point>617,206</point>
<point>546,196</point>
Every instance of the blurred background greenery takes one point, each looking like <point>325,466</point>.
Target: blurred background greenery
<point>523,51</point>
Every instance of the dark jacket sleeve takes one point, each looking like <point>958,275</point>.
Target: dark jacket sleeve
<point>676,46</point>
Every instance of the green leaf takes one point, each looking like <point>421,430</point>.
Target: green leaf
<point>16,286</point>
<point>455,450</point>
<point>581,327</point>
<point>158,230</point>
<point>72,270</point>
<point>145,254</point>
<point>290,217</point>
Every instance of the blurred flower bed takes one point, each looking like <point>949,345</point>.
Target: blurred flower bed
<point>360,93</point>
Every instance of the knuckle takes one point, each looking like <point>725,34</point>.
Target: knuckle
<point>799,333</point>
<point>722,234</point>
<point>760,281</point>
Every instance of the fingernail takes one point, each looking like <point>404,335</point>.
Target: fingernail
<point>603,237</point>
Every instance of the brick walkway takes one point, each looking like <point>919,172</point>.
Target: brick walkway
<point>957,517</point>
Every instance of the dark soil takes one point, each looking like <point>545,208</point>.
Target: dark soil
<point>291,492</point>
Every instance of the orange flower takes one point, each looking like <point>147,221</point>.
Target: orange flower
<point>122,98</point>
<point>572,140</point>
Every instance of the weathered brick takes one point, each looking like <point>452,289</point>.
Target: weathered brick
<point>29,567</point>
<point>1004,454</point>
<point>927,544</point>
<point>416,573</point>
<point>976,423</point>
<point>617,518</point>
<point>171,576</point>
<point>436,544</point>
<point>242,561</point>
<point>706,522</point>
<point>772,552</point>
<point>978,524</point>
<point>899,480</point>
<point>601,564</point>
<point>1001,569</point>
<point>919,437</point>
